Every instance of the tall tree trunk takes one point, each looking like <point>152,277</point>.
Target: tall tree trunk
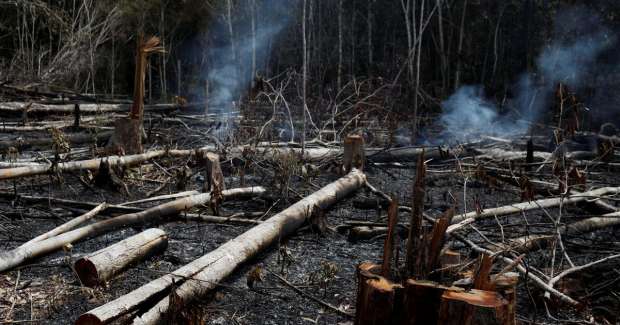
<point>253,14</point>
<point>416,89</point>
<point>442,49</point>
<point>305,76</point>
<point>369,21</point>
<point>459,51</point>
<point>233,51</point>
<point>340,41</point>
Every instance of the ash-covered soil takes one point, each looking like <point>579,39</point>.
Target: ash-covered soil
<point>321,264</point>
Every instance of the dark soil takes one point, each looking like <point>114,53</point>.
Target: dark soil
<point>48,290</point>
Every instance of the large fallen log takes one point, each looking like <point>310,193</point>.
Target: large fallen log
<point>210,269</point>
<point>73,139</point>
<point>462,220</point>
<point>90,164</point>
<point>15,257</point>
<point>100,266</point>
<point>35,108</point>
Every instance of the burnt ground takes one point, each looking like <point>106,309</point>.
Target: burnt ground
<point>49,292</point>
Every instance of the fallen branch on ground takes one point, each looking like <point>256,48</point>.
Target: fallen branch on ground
<point>462,220</point>
<point>15,257</point>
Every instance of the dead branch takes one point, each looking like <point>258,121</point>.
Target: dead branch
<point>15,257</point>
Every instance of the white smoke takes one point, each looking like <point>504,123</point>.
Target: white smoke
<point>567,60</point>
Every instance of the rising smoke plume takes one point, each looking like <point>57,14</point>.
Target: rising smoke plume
<point>230,75</point>
<point>579,39</point>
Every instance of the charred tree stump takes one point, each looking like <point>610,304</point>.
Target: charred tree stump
<point>473,307</point>
<point>100,266</point>
<point>76,117</point>
<point>506,285</point>
<point>107,177</point>
<point>127,136</point>
<point>421,302</point>
<point>353,153</point>
<point>376,297</point>
<point>214,178</point>
<point>414,239</point>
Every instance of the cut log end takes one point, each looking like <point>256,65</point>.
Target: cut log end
<point>88,319</point>
<point>472,307</point>
<point>87,272</point>
<point>100,266</point>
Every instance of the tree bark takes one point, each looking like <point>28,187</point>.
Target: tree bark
<point>210,269</point>
<point>99,267</point>
<point>214,178</point>
<point>375,297</point>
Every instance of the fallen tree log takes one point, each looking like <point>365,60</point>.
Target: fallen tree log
<point>100,266</point>
<point>15,257</point>
<point>533,242</point>
<point>72,139</point>
<point>462,220</point>
<point>91,164</point>
<point>36,108</point>
<point>210,269</point>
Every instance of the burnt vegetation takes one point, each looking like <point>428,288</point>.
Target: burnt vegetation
<point>308,161</point>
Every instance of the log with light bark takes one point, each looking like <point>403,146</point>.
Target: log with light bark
<point>463,220</point>
<point>15,257</point>
<point>35,108</point>
<point>90,164</point>
<point>99,267</point>
<point>207,271</point>
<point>533,242</point>
<point>73,139</point>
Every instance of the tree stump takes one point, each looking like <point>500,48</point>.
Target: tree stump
<point>214,178</point>
<point>376,297</point>
<point>127,136</point>
<point>421,301</point>
<point>506,286</point>
<point>473,307</point>
<point>100,266</point>
<point>353,153</point>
